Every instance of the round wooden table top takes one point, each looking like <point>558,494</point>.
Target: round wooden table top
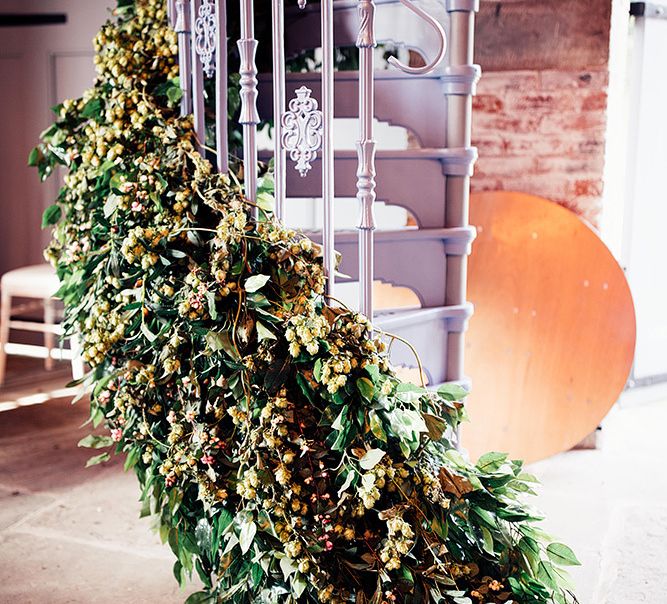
<point>551,343</point>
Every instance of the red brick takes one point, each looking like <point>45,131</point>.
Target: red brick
<point>556,122</point>
<point>494,82</point>
<point>505,166</point>
<point>488,103</point>
<point>588,187</point>
<point>516,123</point>
<point>596,101</point>
<point>570,165</point>
<point>592,79</point>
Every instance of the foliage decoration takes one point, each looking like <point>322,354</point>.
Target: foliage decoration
<point>283,459</point>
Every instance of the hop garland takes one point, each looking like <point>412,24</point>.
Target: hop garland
<point>282,458</point>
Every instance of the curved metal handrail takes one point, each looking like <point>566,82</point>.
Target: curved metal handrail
<point>441,37</point>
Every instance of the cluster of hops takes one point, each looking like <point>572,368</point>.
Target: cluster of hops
<point>283,459</point>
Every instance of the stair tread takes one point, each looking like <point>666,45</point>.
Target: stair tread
<point>406,317</point>
<point>379,74</point>
<point>405,234</point>
<point>403,154</point>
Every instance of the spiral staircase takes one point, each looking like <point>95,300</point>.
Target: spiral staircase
<point>430,179</point>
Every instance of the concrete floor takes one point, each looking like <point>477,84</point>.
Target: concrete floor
<point>72,535</point>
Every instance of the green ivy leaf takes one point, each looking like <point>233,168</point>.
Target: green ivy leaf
<point>34,157</point>
<point>376,426</point>
<point>562,554</point>
<point>93,441</point>
<point>97,459</point>
<point>51,215</point>
<point>220,340</point>
<point>490,462</point>
<point>263,332</point>
<point>371,459</point>
<point>452,392</point>
<point>365,388</point>
<point>247,535</point>
<point>255,283</point>
<point>93,108</point>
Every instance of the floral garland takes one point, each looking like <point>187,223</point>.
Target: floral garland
<point>283,459</point>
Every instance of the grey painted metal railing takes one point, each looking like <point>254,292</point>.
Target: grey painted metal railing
<point>304,135</point>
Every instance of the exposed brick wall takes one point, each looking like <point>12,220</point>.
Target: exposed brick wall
<point>543,132</point>
<point>540,115</point>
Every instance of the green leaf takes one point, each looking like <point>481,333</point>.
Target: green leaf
<point>93,108</point>
<point>93,461</point>
<point>452,392</point>
<point>203,534</point>
<point>93,441</point>
<point>256,282</point>
<point>34,157</point>
<point>371,459</point>
<point>376,426</point>
<point>174,94</point>
<point>338,422</point>
<point>265,201</point>
<point>51,215</point>
<point>299,585</point>
<point>317,370</point>
<point>179,575</point>
<point>349,478</point>
<point>288,566</point>
<point>110,205</point>
<point>220,340</point>
<point>132,458</point>
<point>365,388</point>
<point>490,462</point>
<point>487,540</point>
<point>247,535</point>
<point>263,332</point>
<point>562,554</point>
<point>200,597</point>
<point>546,574</point>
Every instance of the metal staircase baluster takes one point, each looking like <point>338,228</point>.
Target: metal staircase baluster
<point>182,28</point>
<point>328,176</point>
<point>366,154</point>
<point>278,33</point>
<point>199,116</point>
<point>221,94</point>
<point>249,117</point>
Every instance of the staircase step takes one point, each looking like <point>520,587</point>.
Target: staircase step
<point>410,257</point>
<point>429,331</point>
<point>415,102</point>
<point>411,178</point>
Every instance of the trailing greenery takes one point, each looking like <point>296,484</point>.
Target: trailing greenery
<point>282,458</point>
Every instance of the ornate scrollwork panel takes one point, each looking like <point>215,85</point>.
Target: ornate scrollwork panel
<point>205,34</point>
<point>302,130</point>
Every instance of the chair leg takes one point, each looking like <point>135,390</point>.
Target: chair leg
<point>5,314</point>
<point>78,370</point>
<point>49,336</point>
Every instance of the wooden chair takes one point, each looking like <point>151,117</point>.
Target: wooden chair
<point>38,284</point>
